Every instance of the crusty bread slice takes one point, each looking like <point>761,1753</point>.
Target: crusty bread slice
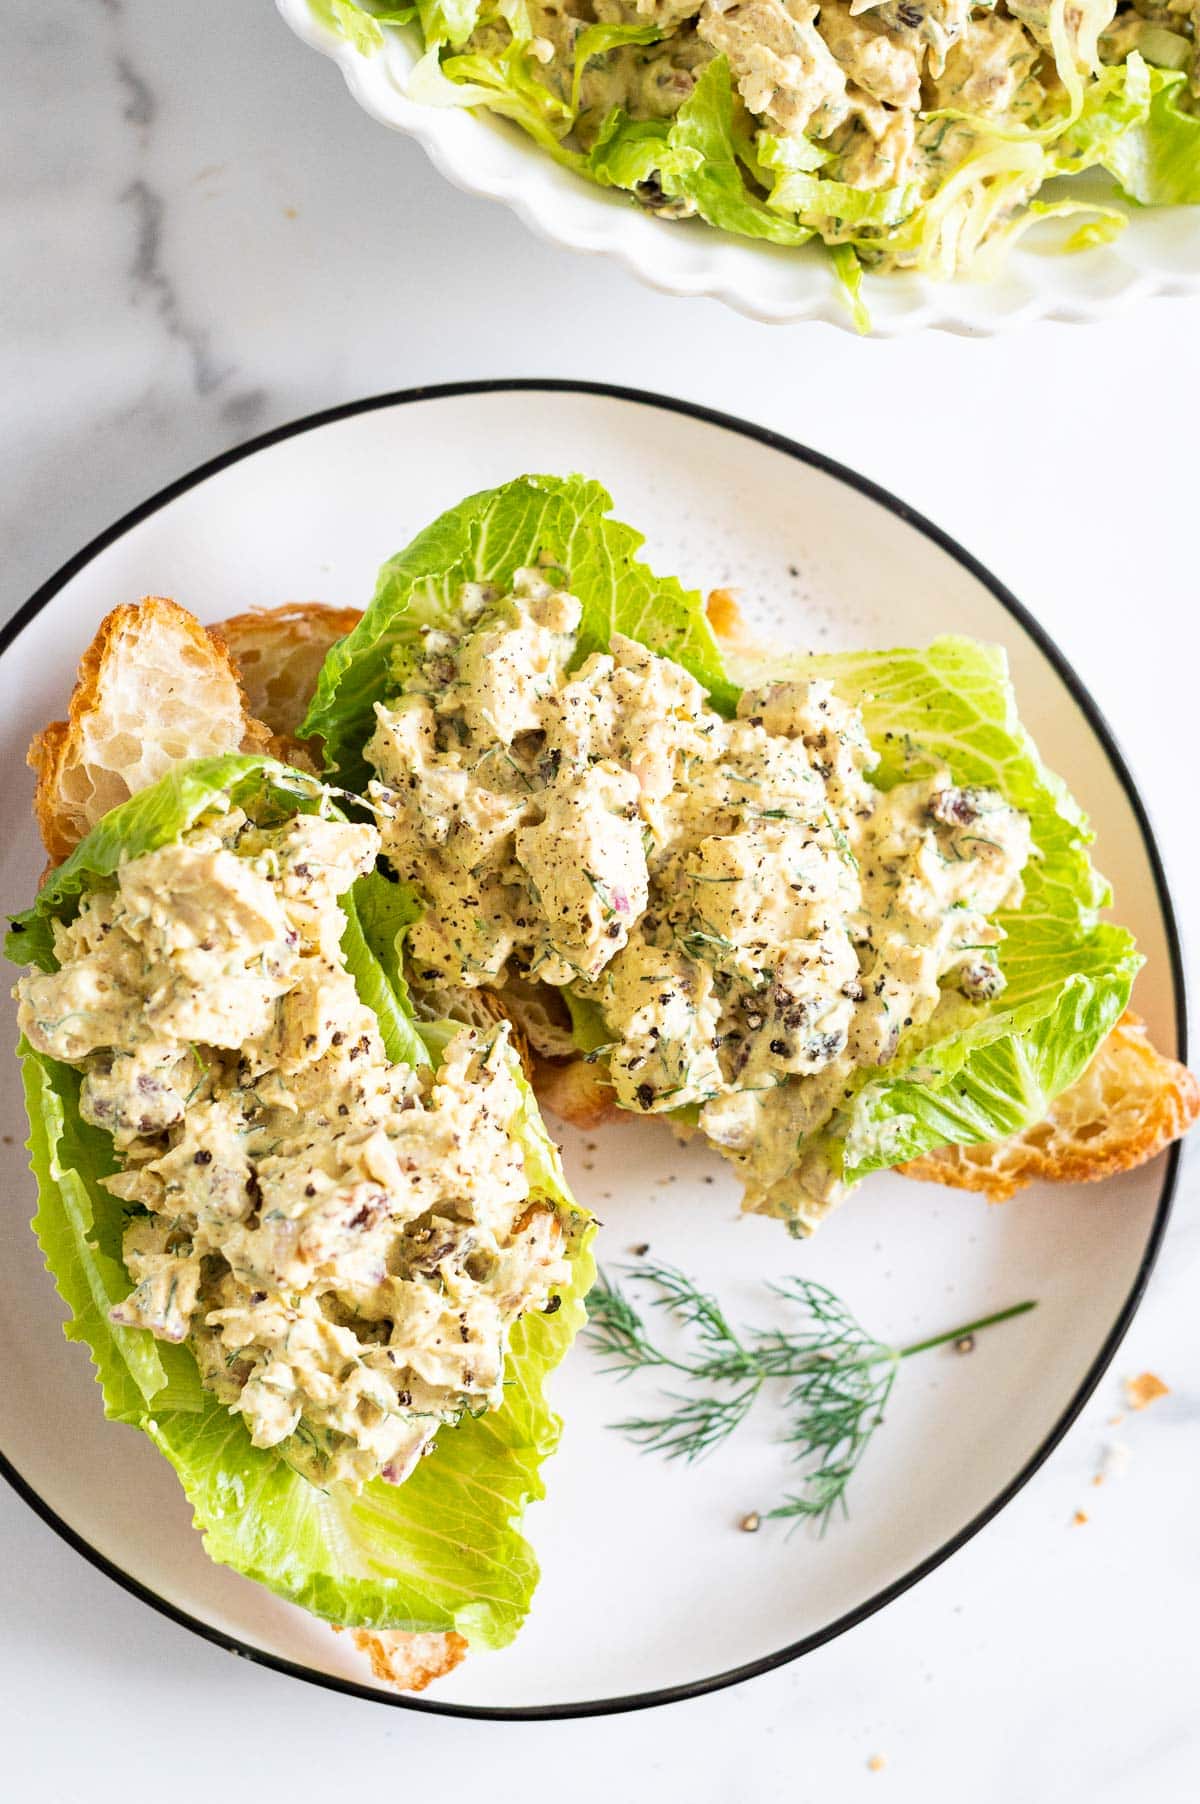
<point>576,1090</point>
<point>153,688</point>
<point>279,653</point>
<point>1128,1106</point>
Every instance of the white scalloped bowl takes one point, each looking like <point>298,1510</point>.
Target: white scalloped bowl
<point>1157,253</point>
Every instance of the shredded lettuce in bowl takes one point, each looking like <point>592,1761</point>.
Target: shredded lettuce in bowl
<point>900,134</point>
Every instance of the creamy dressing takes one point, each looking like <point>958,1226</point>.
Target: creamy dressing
<point>753,919</point>
<point>344,1242</point>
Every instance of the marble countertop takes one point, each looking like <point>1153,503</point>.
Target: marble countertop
<point>202,237</point>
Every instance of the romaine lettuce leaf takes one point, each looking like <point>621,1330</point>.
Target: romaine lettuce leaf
<point>348,20</point>
<point>82,1248</point>
<point>704,165</point>
<point>977,1072</point>
<point>561,521</point>
<point>775,156</point>
<point>506,82</point>
<point>447,21</point>
<point>444,1550</point>
<point>1116,102</point>
<point>599,39</point>
<point>376,913</point>
<point>848,271</point>
<point>1157,159</point>
<point>150,819</point>
<point>385,911</point>
<point>628,152</point>
<point>832,206</point>
<point>697,157</point>
<point>1127,120</point>
<point>1133,125</point>
<point>974,1074</point>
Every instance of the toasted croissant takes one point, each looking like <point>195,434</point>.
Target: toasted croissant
<point>410,1662</point>
<point>1129,1105</point>
<point>279,653</point>
<point>152,689</point>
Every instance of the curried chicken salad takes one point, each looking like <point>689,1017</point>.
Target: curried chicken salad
<point>829,911</point>
<point>900,134</point>
<point>306,1242</point>
<point>752,919</point>
<point>343,1242</point>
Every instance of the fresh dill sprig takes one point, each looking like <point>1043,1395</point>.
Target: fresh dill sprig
<point>841,1378</point>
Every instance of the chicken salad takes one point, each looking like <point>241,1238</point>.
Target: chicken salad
<point>898,135</point>
<point>343,1246</point>
<point>305,1243</point>
<point>753,920</point>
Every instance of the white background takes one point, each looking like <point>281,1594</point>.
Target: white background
<point>201,237</point>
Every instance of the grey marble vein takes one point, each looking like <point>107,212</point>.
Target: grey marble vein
<point>151,283</point>
<point>141,107</point>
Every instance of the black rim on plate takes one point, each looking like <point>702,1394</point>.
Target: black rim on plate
<point>882,497</point>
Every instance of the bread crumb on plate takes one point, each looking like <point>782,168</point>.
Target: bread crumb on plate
<point>1145,1389</point>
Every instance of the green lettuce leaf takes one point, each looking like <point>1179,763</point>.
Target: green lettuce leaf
<point>1157,159</point>
<point>385,911</point>
<point>82,1248</point>
<point>628,152</point>
<point>359,21</point>
<point>976,1072</point>
<point>696,157</point>
<point>785,156</point>
<point>447,21</point>
<point>848,272</point>
<point>710,173</point>
<point>832,206</point>
<point>358,24</point>
<point>1118,101</point>
<point>376,913</point>
<point>444,1550</point>
<point>1133,125</point>
<point>507,82</point>
<point>599,39</point>
<point>560,521</point>
<point>152,818</point>
<point>347,20</point>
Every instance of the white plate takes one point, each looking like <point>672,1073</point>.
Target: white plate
<point>1158,253</point>
<point>648,1591</point>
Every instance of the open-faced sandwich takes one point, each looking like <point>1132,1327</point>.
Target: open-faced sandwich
<point>324,1257</point>
<point>318,879</point>
<point>830,912</point>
